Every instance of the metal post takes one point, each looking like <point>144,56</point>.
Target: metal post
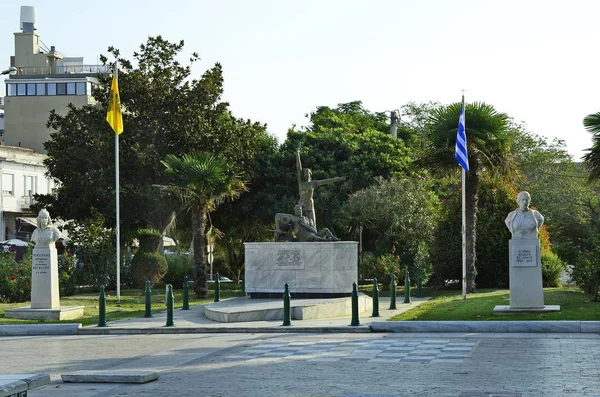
<point>102,308</point>
<point>375,293</point>
<point>170,305</point>
<point>407,288</point>
<point>217,288</point>
<point>186,294</point>
<point>393,293</point>
<point>419,285</point>
<point>148,312</point>
<point>287,315</point>
<point>354,322</point>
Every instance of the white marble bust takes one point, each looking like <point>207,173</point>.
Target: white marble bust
<point>45,235</point>
<point>524,223</point>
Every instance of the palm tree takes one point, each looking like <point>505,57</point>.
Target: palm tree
<point>201,181</point>
<point>592,157</point>
<point>489,140</point>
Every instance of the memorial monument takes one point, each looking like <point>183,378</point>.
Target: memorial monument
<point>314,262</point>
<point>45,299</point>
<point>525,265</point>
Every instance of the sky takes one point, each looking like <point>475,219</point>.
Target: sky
<point>535,60</point>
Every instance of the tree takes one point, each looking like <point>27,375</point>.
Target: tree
<point>166,111</point>
<point>489,139</point>
<point>592,158</point>
<point>201,181</point>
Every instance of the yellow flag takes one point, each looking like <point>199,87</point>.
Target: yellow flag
<point>114,116</point>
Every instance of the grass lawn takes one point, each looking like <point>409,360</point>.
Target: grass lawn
<point>132,304</point>
<point>448,305</point>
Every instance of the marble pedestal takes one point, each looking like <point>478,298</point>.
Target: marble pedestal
<point>311,269</point>
<point>526,288</point>
<point>45,300</point>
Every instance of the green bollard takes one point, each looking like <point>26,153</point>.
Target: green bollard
<point>407,288</point>
<point>244,286</point>
<point>375,299</point>
<point>217,288</point>
<point>419,285</point>
<point>170,305</point>
<point>287,315</point>
<point>393,293</point>
<point>186,294</point>
<point>148,312</point>
<point>354,322</point>
<point>102,308</point>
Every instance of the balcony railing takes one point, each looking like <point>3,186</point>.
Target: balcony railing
<point>63,69</point>
<point>25,202</point>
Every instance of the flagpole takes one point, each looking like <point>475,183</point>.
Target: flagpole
<point>118,220</point>
<point>464,228</point>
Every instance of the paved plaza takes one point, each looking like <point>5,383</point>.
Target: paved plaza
<point>321,364</point>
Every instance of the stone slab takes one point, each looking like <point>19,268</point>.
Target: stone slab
<point>39,329</point>
<point>12,387</point>
<point>323,267</point>
<point>57,314</point>
<point>545,326</point>
<point>246,309</point>
<point>110,377</point>
<point>503,310</point>
<point>32,380</point>
<point>525,274</point>
<point>44,278</point>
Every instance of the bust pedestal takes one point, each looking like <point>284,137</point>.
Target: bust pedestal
<point>526,287</point>
<point>45,300</point>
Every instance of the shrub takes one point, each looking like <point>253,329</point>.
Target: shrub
<point>15,279</point>
<point>147,266</point>
<point>552,267</point>
<point>178,266</point>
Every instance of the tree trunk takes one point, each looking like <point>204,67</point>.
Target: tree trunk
<point>471,198</point>
<point>199,247</point>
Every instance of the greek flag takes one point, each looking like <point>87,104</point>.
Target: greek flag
<point>460,150</point>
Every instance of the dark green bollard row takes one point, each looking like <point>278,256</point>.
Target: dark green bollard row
<point>407,288</point>
<point>102,308</point>
<point>186,294</point>
<point>354,321</point>
<point>287,314</point>
<point>393,293</point>
<point>375,299</point>
<point>217,288</point>
<point>148,312</point>
<point>419,285</point>
<point>170,305</point>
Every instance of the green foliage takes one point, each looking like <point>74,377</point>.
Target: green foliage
<point>592,157</point>
<point>15,279</point>
<point>552,267</point>
<point>94,247</point>
<point>149,240</point>
<point>147,266</point>
<point>70,277</point>
<point>178,266</point>
<point>382,267</point>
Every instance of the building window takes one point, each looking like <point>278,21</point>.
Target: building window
<point>1,133</point>
<point>11,89</point>
<point>41,88</point>
<point>29,187</point>
<point>61,88</point>
<point>70,88</point>
<point>21,89</point>
<point>31,89</point>
<point>51,88</point>
<point>81,89</point>
<point>8,184</point>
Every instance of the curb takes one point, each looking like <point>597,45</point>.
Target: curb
<point>221,330</point>
<point>39,329</point>
<point>488,326</point>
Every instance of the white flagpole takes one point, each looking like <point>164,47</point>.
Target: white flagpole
<point>117,231</point>
<point>464,226</point>
<point>464,238</point>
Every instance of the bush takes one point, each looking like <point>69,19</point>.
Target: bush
<point>15,279</point>
<point>382,267</point>
<point>178,266</point>
<point>147,266</point>
<point>552,267</point>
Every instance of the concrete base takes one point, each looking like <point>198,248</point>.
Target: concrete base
<point>110,377</point>
<point>246,309</point>
<point>501,310</point>
<point>60,313</point>
<point>13,384</point>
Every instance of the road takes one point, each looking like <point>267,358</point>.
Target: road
<point>506,365</point>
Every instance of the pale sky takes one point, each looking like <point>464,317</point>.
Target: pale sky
<point>536,60</point>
